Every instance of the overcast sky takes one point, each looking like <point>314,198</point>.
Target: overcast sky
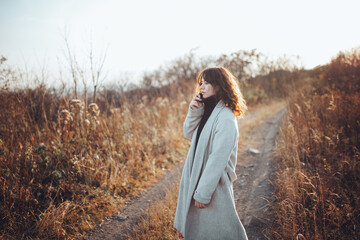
<point>141,35</point>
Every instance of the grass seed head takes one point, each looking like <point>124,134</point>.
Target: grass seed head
<point>75,105</point>
<point>93,109</point>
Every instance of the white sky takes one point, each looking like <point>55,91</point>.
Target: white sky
<point>144,34</point>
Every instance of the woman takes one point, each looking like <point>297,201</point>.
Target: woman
<point>205,207</point>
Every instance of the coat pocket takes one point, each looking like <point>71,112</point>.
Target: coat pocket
<point>225,179</point>
<point>231,174</point>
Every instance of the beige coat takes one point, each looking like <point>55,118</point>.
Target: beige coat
<point>208,176</point>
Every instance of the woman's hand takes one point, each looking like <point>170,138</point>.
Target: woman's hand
<point>199,204</point>
<point>196,102</point>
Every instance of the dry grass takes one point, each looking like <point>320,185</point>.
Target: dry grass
<point>159,222</point>
<point>318,164</point>
<point>65,166</point>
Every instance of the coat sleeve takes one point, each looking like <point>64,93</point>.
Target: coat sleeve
<point>191,121</point>
<point>224,142</point>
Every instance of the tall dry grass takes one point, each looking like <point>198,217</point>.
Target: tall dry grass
<point>318,165</point>
<point>65,166</point>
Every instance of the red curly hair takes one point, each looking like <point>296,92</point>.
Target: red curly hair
<point>228,89</point>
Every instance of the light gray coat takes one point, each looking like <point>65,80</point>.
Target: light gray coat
<point>207,177</point>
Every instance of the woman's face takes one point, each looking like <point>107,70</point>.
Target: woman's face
<point>207,89</point>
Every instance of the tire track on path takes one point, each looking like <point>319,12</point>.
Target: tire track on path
<point>253,189</point>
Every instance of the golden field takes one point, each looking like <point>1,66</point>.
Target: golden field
<point>66,162</point>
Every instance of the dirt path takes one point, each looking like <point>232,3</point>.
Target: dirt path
<point>251,188</point>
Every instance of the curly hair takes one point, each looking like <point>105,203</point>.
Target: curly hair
<point>228,89</point>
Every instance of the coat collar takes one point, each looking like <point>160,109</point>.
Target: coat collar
<point>220,104</point>
<point>206,131</point>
